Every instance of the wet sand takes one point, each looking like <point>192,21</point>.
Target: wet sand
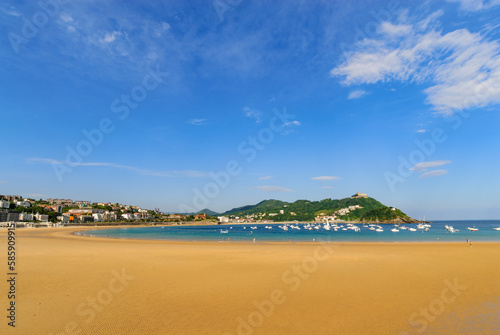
<point>81,285</point>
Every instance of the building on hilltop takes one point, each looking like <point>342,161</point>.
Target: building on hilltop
<point>62,202</point>
<point>82,203</point>
<point>360,195</point>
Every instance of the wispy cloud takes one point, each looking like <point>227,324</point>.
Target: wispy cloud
<point>145,172</point>
<point>289,127</point>
<point>293,123</point>
<point>110,37</point>
<point>356,94</point>
<point>434,173</point>
<point>274,189</point>
<point>421,131</point>
<point>198,122</point>
<point>3,182</point>
<point>325,178</point>
<point>11,11</point>
<point>476,5</point>
<point>326,186</point>
<point>461,66</point>
<point>265,178</point>
<point>420,167</point>
<point>395,29</point>
<point>254,114</point>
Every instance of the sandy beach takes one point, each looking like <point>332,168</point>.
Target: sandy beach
<point>80,285</point>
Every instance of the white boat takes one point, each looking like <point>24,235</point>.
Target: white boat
<point>379,230</point>
<point>395,230</point>
<point>412,229</point>
<point>451,229</point>
<point>327,225</point>
<point>224,231</point>
<point>472,229</point>
<point>497,228</point>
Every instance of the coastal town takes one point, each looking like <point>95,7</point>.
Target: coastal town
<point>58,212</point>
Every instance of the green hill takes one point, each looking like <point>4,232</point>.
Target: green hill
<point>305,210</point>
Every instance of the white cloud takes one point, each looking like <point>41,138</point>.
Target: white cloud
<point>324,178</point>
<point>391,29</point>
<point>252,113</point>
<point>145,172</point>
<point>476,5</point>
<point>198,122</point>
<point>421,131</point>
<point>420,167</point>
<point>273,189</point>
<point>265,178</point>
<point>434,173</point>
<point>110,37</point>
<point>66,18</point>
<point>326,186</point>
<point>11,11</point>
<point>293,123</point>
<point>356,94</point>
<point>461,67</point>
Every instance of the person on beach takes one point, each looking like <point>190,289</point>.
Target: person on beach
<point>253,240</point>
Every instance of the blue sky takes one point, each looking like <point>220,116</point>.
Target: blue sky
<point>190,104</point>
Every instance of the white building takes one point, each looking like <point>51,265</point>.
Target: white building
<point>26,217</point>
<point>23,203</point>
<point>98,217</point>
<point>41,217</point>
<point>128,216</point>
<point>223,219</point>
<point>4,204</point>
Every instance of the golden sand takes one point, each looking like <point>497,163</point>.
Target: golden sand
<point>79,285</point>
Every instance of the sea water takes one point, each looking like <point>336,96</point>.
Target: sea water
<point>249,232</point>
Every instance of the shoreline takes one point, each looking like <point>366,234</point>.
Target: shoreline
<point>69,233</point>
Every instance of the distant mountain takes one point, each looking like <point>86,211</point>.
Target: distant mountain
<point>206,211</point>
<point>362,208</point>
